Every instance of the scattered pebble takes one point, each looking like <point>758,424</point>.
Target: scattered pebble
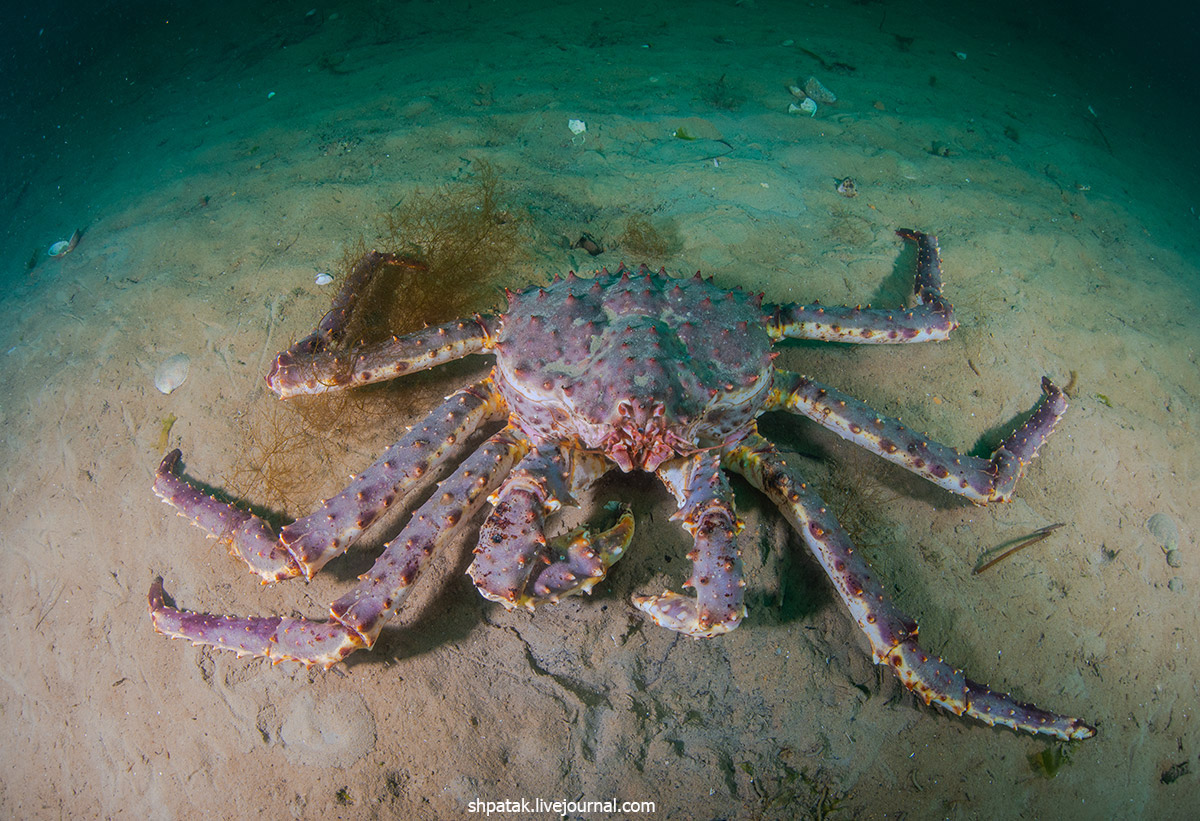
<point>815,90</point>
<point>1175,585</point>
<point>323,279</point>
<point>1165,530</point>
<point>847,188</point>
<point>589,244</point>
<point>172,373</point>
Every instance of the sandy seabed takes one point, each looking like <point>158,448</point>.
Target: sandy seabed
<point>212,196</point>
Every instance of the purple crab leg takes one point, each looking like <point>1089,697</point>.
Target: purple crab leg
<point>305,546</point>
<point>893,635</point>
<point>579,560</point>
<point>338,523</point>
<point>383,588</point>
<point>312,365</point>
<point>512,541</point>
<point>359,616</point>
<point>514,562</point>
<point>332,328</point>
<point>980,480</point>
<point>249,538</point>
<point>931,320</point>
<point>276,638</point>
<point>706,511</point>
<point>297,371</point>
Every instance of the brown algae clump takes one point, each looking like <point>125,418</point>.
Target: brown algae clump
<point>446,250</point>
<point>642,242</point>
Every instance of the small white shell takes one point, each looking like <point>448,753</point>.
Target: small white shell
<point>59,248</point>
<point>323,279</point>
<point>577,126</point>
<point>172,373</point>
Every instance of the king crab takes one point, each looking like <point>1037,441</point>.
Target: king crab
<point>635,370</point>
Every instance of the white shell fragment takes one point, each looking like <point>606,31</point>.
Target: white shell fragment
<point>172,373</point>
<point>577,126</point>
<point>808,105</point>
<point>323,279</point>
<point>65,246</point>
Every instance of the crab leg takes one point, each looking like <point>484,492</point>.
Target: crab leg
<point>332,327</point>
<point>512,543</point>
<point>384,587</point>
<point>249,538</point>
<point>312,366</point>
<point>514,562</point>
<point>276,638</point>
<point>706,510</point>
<point>304,546</point>
<point>893,635</point>
<point>932,319</point>
<point>359,616</point>
<point>339,522</point>
<point>980,480</point>
<point>314,369</point>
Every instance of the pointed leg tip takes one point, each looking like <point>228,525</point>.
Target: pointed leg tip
<point>1081,730</point>
<point>170,461</point>
<point>156,596</point>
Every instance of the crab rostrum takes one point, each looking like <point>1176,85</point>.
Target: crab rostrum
<point>635,370</point>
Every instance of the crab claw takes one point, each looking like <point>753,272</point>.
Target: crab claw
<point>581,560</point>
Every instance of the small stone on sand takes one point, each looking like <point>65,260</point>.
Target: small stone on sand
<point>1165,530</point>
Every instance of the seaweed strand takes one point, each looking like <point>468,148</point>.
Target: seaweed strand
<point>1032,539</point>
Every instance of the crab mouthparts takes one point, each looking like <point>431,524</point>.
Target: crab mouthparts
<point>636,446</point>
<point>639,455</point>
